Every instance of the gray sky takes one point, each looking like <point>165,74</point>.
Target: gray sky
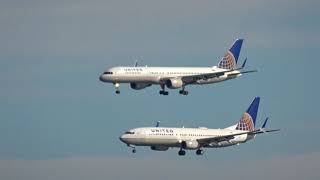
<point>58,121</point>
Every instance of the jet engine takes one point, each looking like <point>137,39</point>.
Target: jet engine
<point>174,83</point>
<point>159,148</point>
<point>192,144</point>
<point>138,86</point>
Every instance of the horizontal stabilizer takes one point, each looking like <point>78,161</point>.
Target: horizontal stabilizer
<point>259,131</point>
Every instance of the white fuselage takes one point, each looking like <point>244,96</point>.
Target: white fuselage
<point>172,137</point>
<point>153,75</point>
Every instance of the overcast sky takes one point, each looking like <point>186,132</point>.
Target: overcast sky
<point>57,121</point>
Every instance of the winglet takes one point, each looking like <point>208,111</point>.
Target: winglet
<point>265,123</point>
<point>158,124</point>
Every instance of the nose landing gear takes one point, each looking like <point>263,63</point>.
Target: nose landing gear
<point>117,86</point>
<point>133,148</point>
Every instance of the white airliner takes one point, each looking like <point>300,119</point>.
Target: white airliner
<point>162,138</point>
<point>177,77</point>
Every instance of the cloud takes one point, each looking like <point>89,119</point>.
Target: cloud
<point>154,167</point>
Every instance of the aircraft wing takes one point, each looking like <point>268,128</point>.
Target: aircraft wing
<point>242,72</point>
<point>194,78</point>
<point>218,139</point>
<point>188,79</point>
<point>228,137</point>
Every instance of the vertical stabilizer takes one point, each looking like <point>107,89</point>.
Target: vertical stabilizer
<point>248,119</point>
<point>230,59</point>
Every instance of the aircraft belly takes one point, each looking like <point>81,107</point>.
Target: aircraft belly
<point>161,141</point>
<point>136,79</point>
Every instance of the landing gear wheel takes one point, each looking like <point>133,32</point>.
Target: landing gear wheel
<point>182,153</point>
<point>164,93</point>
<point>117,86</point>
<point>183,92</point>
<point>134,150</point>
<point>199,152</point>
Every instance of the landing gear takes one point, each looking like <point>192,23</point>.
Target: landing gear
<point>163,92</point>
<point>182,152</point>
<point>183,92</point>
<point>199,152</point>
<point>133,148</point>
<point>117,86</point>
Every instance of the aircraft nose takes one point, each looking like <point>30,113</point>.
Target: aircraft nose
<point>101,78</point>
<point>122,138</point>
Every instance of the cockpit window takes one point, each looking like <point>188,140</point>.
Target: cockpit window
<point>108,72</point>
<point>128,132</point>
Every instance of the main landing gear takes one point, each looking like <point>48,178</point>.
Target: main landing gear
<point>183,92</point>
<point>199,152</point>
<point>117,86</point>
<point>163,92</point>
<point>182,152</point>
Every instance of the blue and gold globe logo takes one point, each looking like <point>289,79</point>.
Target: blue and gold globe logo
<point>228,61</point>
<point>245,123</point>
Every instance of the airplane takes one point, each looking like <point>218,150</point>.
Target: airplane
<point>141,77</point>
<point>163,138</point>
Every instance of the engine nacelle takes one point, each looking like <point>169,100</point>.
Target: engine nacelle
<point>159,148</point>
<point>190,144</point>
<point>174,83</point>
<point>138,86</point>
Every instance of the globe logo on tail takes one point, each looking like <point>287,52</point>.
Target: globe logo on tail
<point>228,61</point>
<point>245,123</point>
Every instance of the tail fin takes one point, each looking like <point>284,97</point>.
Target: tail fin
<point>230,59</point>
<point>248,119</point>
